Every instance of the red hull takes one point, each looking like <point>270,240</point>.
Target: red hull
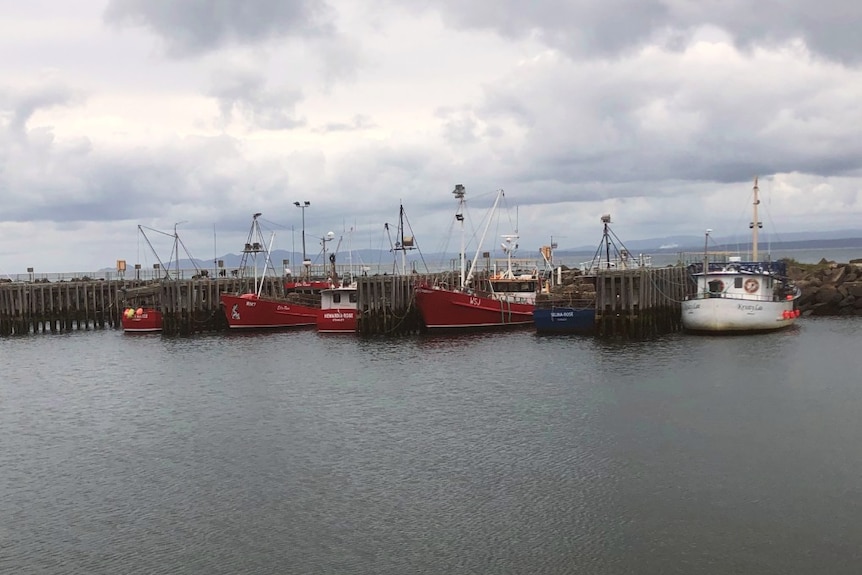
<point>337,321</point>
<point>442,308</point>
<point>251,312</point>
<point>147,321</point>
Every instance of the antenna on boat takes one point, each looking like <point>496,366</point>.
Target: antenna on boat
<point>755,224</point>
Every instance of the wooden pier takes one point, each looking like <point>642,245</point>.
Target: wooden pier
<point>188,306</point>
<point>629,303</point>
<point>386,305</point>
<point>640,302</point>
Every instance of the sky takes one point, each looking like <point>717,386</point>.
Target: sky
<point>198,114</point>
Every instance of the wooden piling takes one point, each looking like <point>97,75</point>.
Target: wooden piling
<point>641,302</point>
<point>629,303</point>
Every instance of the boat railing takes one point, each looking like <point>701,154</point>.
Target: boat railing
<point>741,297</point>
<point>774,268</point>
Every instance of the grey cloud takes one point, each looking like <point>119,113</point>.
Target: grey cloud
<point>245,93</point>
<point>625,126</point>
<point>191,27</point>
<point>73,181</point>
<point>585,28</point>
<point>20,105</point>
<point>359,122</point>
<point>458,126</point>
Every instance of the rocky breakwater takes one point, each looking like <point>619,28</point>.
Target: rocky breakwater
<point>828,288</point>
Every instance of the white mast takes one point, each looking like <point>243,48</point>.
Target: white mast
<point>460,192</point>
<point>266,262</point>
<point>755,224</point>
<point>706,262</point>
<point>500,194</point>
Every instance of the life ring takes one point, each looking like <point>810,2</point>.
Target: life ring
<point>751,285</point>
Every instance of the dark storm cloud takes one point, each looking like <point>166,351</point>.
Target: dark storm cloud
<point>585,28</point>
<point>190,27</point>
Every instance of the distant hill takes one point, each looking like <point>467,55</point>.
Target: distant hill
<point>803,240</point>
<point>383,259</point>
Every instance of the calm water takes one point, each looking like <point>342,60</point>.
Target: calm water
<point>500,453</point>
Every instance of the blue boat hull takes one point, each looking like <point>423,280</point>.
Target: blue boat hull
<point>564,320</point>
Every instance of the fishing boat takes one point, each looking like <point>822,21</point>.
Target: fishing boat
<point>298,305</point>
<point>141,314</point>
<point>338,313</point>
<point>571,308</point>
<point>141,320</point>
<point>502,299</point>
<point>338,302</point>
<point>737,296</point>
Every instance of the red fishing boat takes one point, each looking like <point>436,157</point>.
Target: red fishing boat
<point>297,306</point>
<point>142,313</point>
<point>501,299</point>
<point>141,320</point>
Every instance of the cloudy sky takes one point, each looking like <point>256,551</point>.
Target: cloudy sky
<point>115,113</point>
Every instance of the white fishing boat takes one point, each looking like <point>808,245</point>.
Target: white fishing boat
<point>737,296</point>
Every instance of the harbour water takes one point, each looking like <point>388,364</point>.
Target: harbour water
<point>481,453</point>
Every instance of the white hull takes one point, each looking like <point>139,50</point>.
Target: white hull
<point>736,315</point>
<point>741,296</point>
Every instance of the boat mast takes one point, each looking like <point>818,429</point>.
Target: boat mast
<point>266,262</point>
<point>606,220</point>
<point>405,243</point>
<point>459,193</point>
<point>755,224</point>
<point>500,194</point>
<point>706,262</point>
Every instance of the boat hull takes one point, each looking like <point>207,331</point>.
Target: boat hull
<point>336,321</point>
<point>250,312</point>
<point>733,315</point>
<point>564,320</point>
<point>441,308</point>
<point>142,320</point>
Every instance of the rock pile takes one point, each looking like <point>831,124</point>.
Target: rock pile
<point>829,288</point>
